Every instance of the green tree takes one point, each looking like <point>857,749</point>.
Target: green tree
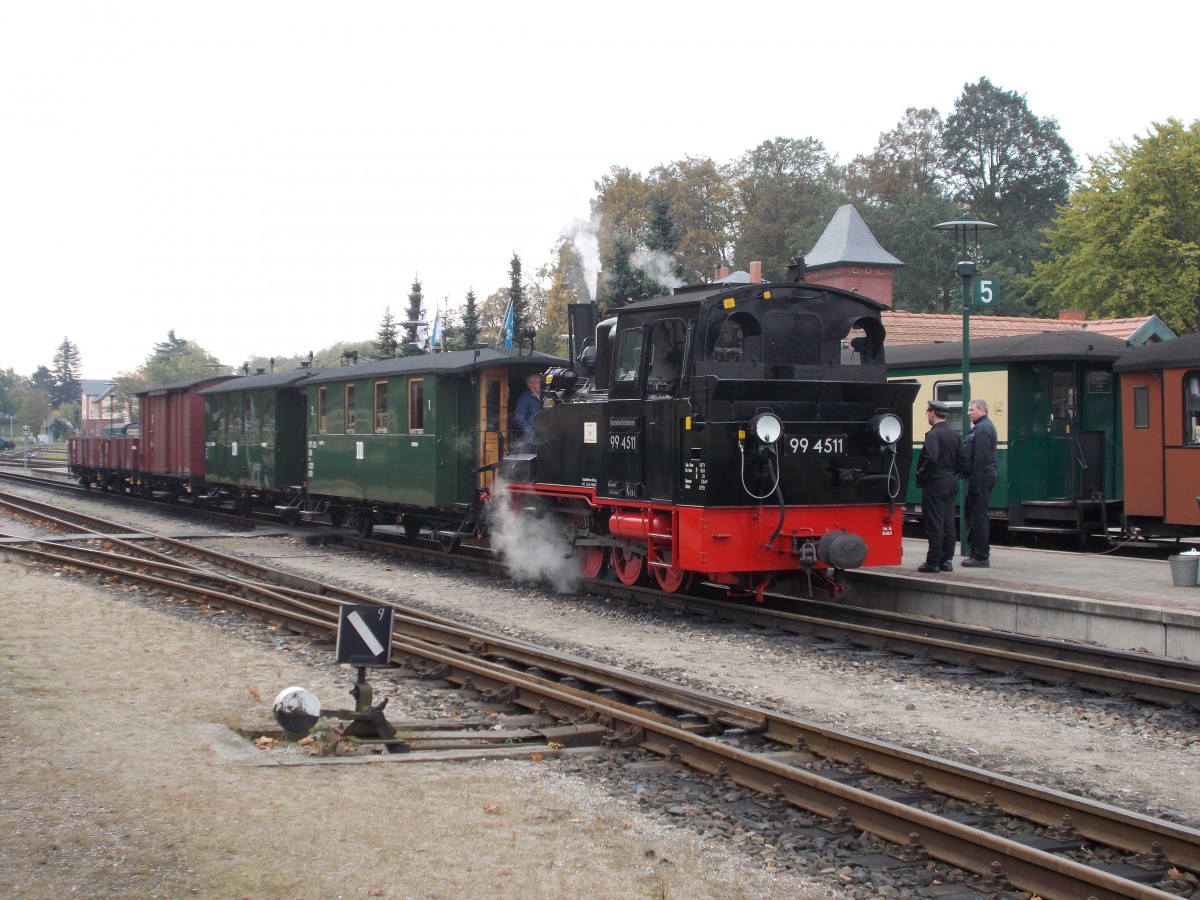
<point>622,284</point>
<point>702,207</point>
<point>906,162</point>
<point>781,188</point>
<point>416,306</point>
<point>564,280</point>
<point>173,360</point>
<point>1009,167</point>
<point>469,335</point>
<point>1128,243</point>
<point>67,385</point>
<point>516,300</point>
<point>386,339</point>
<point>35,407</point>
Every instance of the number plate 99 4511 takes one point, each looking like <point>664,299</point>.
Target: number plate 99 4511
<point>814,445</point>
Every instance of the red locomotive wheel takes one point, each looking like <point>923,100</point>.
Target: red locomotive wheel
<point>671,579</point>
<point>591,561</point>
<point>628,565</point>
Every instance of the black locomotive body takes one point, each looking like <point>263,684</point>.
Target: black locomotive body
<point>734,432</point>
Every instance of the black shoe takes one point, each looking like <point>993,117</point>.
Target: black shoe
<point>928,567</point>
<point>973,563</point>
<point>947,567</point>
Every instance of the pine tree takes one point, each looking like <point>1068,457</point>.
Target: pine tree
<point>416,301</point>
<point>67,385</point>
<point>469,332</point>
<point>516,297</point>
<point>386,342</point>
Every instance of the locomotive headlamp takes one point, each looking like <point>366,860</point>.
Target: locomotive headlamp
<point>766,427</point>
<point>888,427</point>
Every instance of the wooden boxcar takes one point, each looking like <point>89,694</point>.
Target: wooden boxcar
<point>1053,400</point>
<point>1160,399</point>
<point>171,418</point>
<point>255,437</point>
<point>414,439</point>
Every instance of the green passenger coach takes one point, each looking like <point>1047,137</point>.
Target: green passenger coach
<point>1056,408</point>
<point>414,441</point>
<point>254,437</point>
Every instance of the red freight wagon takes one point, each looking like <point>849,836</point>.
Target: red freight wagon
<point>172,433</point>
<point>164,453</point>
<point>1160,428</point>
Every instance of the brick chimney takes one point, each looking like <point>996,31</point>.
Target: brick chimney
<point>721,274</point>
<point>1072,315</point>
<point>756,272</point>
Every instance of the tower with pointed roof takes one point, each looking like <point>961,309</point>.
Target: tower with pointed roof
<point>848,256</point>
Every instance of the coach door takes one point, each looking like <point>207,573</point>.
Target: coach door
<point>493,424</point>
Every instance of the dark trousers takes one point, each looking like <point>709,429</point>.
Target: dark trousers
<point>975,507</point>
<point>937,506</point>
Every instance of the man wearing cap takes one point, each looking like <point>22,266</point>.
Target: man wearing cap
<point>937,478</point>
<point>978,467</point>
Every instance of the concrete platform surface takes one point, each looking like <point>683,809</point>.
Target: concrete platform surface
<point>1114,601</point>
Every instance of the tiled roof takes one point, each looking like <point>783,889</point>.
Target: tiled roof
<point>924,328</point>
<point>847,239</point>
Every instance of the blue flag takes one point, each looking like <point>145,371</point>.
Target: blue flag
<point>507,330</point>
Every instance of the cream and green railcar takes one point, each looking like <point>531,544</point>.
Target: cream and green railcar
<point>1053,399</point>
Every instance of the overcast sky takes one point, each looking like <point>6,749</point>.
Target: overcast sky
<point>267,178</point>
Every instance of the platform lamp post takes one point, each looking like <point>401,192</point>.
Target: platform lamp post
<point>966,243</point>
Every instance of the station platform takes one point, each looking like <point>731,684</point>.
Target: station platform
<point>1113,601</point>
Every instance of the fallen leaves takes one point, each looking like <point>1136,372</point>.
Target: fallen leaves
<point>265,743</point>
<point>254,693</point>
<point>492,809</point>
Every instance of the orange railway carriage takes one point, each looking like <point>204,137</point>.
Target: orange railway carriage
<point>1160,403</point>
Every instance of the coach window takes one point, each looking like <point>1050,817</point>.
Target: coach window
<point>416,406</point>
<point>1062,394</point>
<point>1191,394</point>
<point>247,414</point>
<point>381,407</point>
<point>348,409</point>
<point>321,407</point>
<point>1141,406</point>
<point>268,414</point>
<point>950,393</point>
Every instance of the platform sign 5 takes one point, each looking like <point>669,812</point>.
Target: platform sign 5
<point>364,635</point>
<point>984,291</point>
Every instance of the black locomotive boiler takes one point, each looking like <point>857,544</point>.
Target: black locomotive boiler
<point>735,433</point>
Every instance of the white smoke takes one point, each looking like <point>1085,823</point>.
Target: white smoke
<point>585,238</point>
<point>532,549</point>
<point>658,265</point>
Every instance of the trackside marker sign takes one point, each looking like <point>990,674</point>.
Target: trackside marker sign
<point>364,635</point>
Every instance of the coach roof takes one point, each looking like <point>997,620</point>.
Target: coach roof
<point>1180,353</point>
<point>1049,345</point>
<point>454,362</point>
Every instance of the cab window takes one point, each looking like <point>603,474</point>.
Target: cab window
<point>629,355</point>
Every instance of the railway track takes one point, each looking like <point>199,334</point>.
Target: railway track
<point>1008,832</point>
<point>1027,658</point>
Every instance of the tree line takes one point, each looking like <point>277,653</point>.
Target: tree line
<point>1119,238</point>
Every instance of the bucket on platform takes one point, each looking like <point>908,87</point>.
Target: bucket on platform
<point>1185,568</point>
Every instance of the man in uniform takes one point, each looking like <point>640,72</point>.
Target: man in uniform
<point>978,467</point>
<point>936,477</point>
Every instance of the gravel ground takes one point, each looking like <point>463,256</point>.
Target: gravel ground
<point>113,786</point>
